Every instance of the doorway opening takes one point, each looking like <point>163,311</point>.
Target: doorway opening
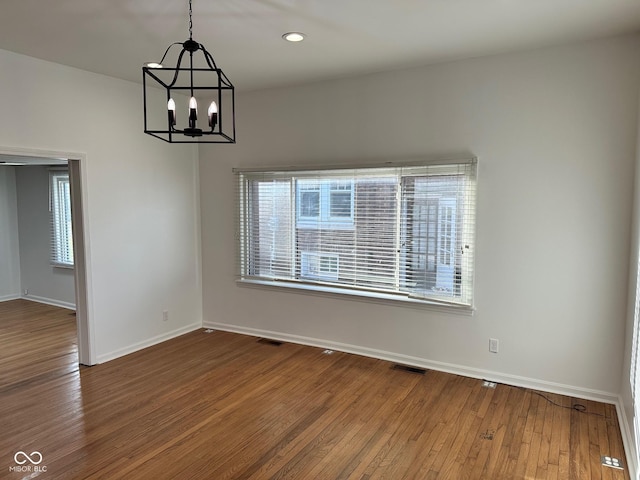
<point>74,292</point>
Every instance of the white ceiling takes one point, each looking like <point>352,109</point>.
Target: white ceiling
<point>344,37</point>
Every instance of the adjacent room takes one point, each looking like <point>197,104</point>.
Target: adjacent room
<point>385,240</point>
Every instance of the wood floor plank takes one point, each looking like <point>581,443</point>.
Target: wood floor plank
<point>224,406</point>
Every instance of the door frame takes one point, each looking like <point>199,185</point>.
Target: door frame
<point>77,163</point>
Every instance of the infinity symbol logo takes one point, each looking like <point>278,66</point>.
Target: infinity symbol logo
<point>35,458</point>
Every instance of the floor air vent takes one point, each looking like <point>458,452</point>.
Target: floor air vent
<point>612,462</point>
<point>407,368</point>
<point>488,434</point>
<point>268,341</point>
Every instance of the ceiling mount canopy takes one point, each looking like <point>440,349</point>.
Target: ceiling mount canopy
<point>201,79</point>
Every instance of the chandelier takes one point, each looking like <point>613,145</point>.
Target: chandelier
<point>184,86</point>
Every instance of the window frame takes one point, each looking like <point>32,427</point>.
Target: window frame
<point>324,286</point>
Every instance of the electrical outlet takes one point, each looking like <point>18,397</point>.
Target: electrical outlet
<point>165,315</point>
<point>26,292</point>
<point>493,345</point>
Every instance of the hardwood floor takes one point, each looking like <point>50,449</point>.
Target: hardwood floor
<point>224,406</point>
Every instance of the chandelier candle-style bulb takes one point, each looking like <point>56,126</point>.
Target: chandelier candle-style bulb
<point>193,112</point>
<point>171,108</point>
<point>213,115</point>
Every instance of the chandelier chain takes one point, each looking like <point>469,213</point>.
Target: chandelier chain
<point>190,22</point>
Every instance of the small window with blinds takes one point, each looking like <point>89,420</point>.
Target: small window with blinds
<point>402,232</point>
<point>60,210</point>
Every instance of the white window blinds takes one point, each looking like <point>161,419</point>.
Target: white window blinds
<point>60,209</point>
<point>406,231</point>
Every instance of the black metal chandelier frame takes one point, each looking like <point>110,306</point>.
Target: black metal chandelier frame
<point>218,116</point>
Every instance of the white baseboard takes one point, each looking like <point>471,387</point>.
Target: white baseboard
<point>148,343</point>
<point>532,383</point>
<point>627,439</point>
<point>49,301</point>
<point>6,298</point>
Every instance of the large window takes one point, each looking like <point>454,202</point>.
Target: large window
<point>60,207</point>
<point>402,232</point>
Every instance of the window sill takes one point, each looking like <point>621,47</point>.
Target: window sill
<point>358,295</point>
<point>64,266</point>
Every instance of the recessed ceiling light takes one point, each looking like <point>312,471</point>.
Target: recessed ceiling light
<point>153,65</point>
<point>293,37</point>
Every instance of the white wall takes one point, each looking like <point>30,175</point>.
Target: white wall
<point>43,281</point>
<point>9,247</point>
<point>141,197</point>
<point>555,132</point>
